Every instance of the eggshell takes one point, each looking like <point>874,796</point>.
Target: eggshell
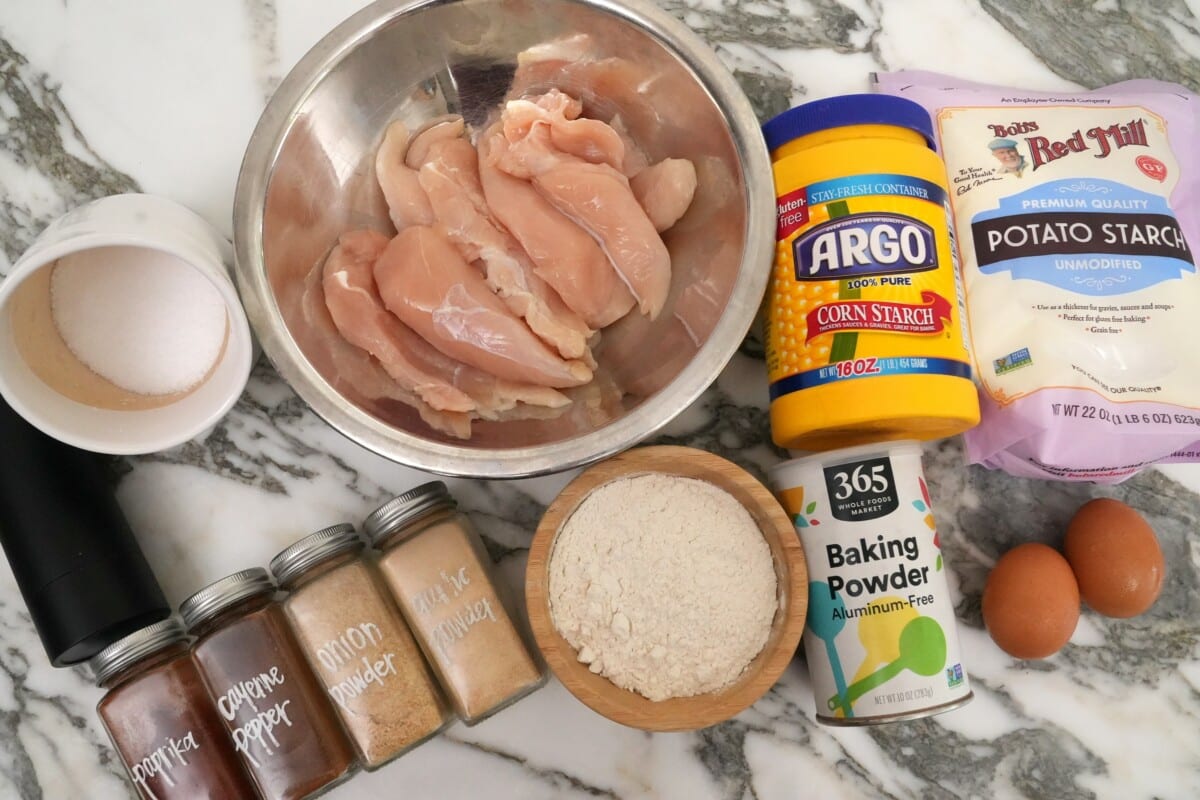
<point>1116,558</point>
<point>1031,601</point>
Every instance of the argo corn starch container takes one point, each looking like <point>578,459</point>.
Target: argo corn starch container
<point>880,638</point>
<point>866,332</point>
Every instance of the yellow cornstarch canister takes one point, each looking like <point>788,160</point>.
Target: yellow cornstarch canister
<point>866,330</point>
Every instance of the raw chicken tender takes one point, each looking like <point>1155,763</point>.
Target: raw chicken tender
<point>353,371</point>
<point>426,283</point>
<point>588,139</point>
<point>599,198</point>
<point>358,312</point>
<point>636,159</point>
<point>440,129</point>
<point>542,63</point>
<point>563,254</point>
<point>364,322</point>
<point>665,190</point>
<point>576,66</point>
<point>450,179</point>
<point>596,196</point>
<point>407,204</point>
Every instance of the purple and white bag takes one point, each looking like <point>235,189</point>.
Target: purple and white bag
<point>1073,213</point>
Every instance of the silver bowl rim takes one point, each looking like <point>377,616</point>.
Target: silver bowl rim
<point>518,462</point>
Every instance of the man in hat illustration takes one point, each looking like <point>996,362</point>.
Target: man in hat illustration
<point>1011,162</point>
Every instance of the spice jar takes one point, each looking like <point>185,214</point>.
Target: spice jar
<point>359,645</point>
<point>161,720</point>
<point>270,702</point>
<point>438,570</point>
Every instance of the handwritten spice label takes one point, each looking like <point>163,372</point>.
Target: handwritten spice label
<point>368,662</point>
<point>346,654</point>
<point>440,579</point>
<point>275,711</point>
<point>259,729</point>
<point>165,758</point>
<point>452,628</point>
<point>170,736</point>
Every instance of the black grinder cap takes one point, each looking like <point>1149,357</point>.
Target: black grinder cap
<point>80,569</point>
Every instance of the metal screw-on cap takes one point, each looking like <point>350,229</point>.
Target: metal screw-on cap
<point>406,508</point>
<point>216,597</point>
<point>305,554</point>
<point>126,652</point>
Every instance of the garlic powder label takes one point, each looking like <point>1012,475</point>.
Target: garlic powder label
<point>1072,250</point>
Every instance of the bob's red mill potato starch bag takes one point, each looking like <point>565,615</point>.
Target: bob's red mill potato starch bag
<point>1074,213</point>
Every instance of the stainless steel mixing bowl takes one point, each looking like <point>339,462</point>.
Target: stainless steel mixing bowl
<point>308,176</point>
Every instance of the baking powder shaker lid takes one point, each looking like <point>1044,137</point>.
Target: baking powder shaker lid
<point>301,556</point>
<point>406,508</point>
<point>218,596</point>
<point>133,648</point>
<point>80,570</point>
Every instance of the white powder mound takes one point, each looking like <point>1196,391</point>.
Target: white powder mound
<point>663,585</point>
<point>143,319</point>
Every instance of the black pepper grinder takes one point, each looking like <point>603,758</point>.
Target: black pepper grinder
<point>79,568</point>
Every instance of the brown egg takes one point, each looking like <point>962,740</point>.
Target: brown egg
<point>1116,558</point>
<point>1031,602</point>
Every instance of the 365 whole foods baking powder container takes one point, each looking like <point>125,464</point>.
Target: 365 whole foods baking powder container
<point>865,337</point>
<point>438,570</point>
<point>358,645</point>
<point>271,704</point>
<point>163,725</point>
<point>881,638</point>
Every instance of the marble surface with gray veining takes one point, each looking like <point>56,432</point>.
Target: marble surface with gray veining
<point>97,98</point>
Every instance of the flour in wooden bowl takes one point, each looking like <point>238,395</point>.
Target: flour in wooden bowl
<point>663,584</point>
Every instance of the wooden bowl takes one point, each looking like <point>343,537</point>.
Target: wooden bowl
<point>681,713</point>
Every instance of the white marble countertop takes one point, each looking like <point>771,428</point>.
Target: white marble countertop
<point>97,98</point>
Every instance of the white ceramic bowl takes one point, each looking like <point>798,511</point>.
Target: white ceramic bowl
<point>148,224</point>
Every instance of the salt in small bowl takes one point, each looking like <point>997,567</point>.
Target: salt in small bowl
<point>43,381</point>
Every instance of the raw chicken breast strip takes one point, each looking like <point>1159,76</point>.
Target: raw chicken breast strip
<point>553,116</point>
<point>361,312</point>
<point>587,139</point>
<point>450,126</point>
<point>665,190</point>
<point>598,198</point>
<point>353,370</point>
<point>450,178</point>
<point>425,282</point>
<point>406,201</point>
<point>364,322</point>
<point>636,159</point>
<point>563,254</point>
<point>595,196</point>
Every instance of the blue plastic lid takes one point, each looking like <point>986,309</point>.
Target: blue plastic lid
<point>848,109</point>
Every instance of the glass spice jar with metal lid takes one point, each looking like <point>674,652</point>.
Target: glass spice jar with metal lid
<point>281,722</point>
<point>437,568</point>
<point>161,720</point>
<point>358,645</point>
